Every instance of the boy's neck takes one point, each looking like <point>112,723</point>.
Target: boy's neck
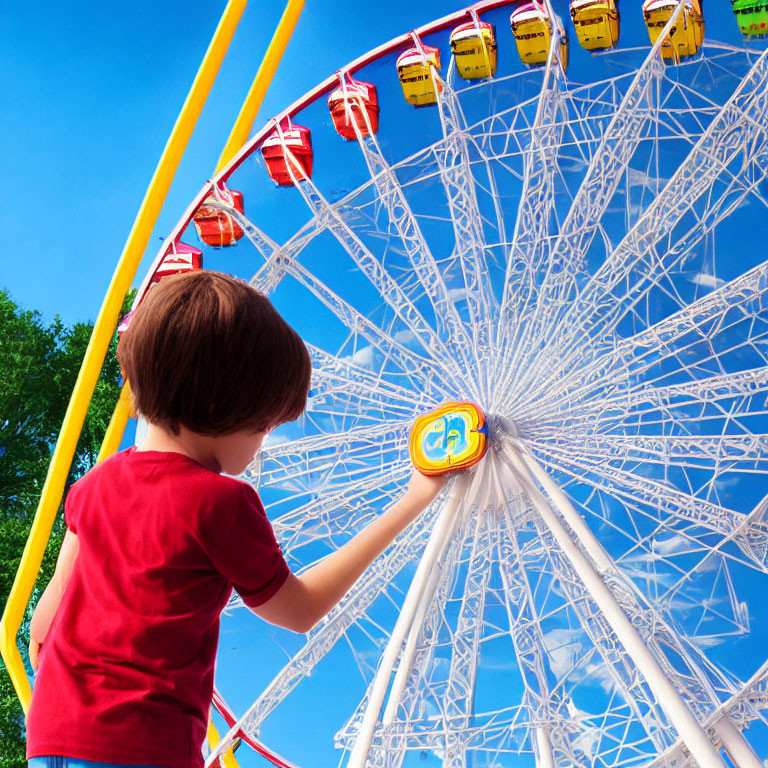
<point>199,448</point>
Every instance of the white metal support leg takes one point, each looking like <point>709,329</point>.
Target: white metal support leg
<point>543,749</point>
<point>432,552</point>
<point>691,731</point>
<point>732,739</point>
<point>741,754</point>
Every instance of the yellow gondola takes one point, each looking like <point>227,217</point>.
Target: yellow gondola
<point>687,35</point>
<point>414,69</point>
<point>474,48</point>
<point>531,27</point>
<point>596,23</point>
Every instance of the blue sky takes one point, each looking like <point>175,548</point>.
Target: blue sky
<point>96,88</point>
<point>95,91</point>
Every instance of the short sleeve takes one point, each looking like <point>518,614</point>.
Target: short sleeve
<point>246,552</point>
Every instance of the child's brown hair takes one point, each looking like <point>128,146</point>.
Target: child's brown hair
<point>208,351</point>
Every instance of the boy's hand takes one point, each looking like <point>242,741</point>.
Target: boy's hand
<point>423,489</point>
<point>34,653</point>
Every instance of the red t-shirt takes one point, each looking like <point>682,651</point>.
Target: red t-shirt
<point>126,671</point>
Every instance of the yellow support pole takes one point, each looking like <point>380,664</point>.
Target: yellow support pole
<point>237,138</point>
<point>99,344</point>
<point>242,127</point>
<point>228,759</point>
<point>117,424</point>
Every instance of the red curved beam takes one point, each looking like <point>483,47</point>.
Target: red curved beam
<point>404,40</point>
<point>323,88</point>
<point>229,716</point>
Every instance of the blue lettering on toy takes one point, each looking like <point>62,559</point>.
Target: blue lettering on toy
<point>447,437</point>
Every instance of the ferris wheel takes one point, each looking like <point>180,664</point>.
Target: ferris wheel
<point>569,234</point>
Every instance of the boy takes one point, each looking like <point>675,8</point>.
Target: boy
<point>157,537</point>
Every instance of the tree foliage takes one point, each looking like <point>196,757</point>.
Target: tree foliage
<point>38,368</point>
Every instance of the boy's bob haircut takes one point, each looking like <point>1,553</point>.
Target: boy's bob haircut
<point>209,352</point>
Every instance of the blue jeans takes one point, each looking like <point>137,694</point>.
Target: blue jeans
<point>75,762</point>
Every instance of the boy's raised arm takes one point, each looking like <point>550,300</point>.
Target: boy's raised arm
<point>51,597</point>
<point>303,600</point>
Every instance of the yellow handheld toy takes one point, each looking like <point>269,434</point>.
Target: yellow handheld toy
<point>453,436</point>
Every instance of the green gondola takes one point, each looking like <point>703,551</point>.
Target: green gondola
<point>752,16</point>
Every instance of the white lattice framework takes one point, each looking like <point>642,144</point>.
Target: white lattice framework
<point>615,537</point>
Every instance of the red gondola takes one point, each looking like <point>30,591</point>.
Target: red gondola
<point>295,139</point>
<point>214,226</point>
<point>354,102</point>
<point>179,257</point>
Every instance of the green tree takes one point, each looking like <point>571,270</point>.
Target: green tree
<point>38,368</point>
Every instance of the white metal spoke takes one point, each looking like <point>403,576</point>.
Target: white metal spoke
<point>371,267</point>
<point>660,501</point>
<point>392,197</point>
<point>338,383</point>
<point>740,129</point>
<point>456,174</point>
<point>529,253</point>
<point>338,501</point>
<point>617,146</point>
<point>710,398</point>
<point>405,359</point>
<point>739,302</point>
<point>320,454</point>
<point>743,453</point>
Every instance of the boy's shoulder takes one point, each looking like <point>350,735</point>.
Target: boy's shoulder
<point>156,467</point>
<point>139,483</point>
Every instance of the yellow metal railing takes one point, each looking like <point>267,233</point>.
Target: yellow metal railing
<point>242,127</point>
<point>228,758</point>
<point>104,326</point>
<point>103,329</point>
<point>117,424</point>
